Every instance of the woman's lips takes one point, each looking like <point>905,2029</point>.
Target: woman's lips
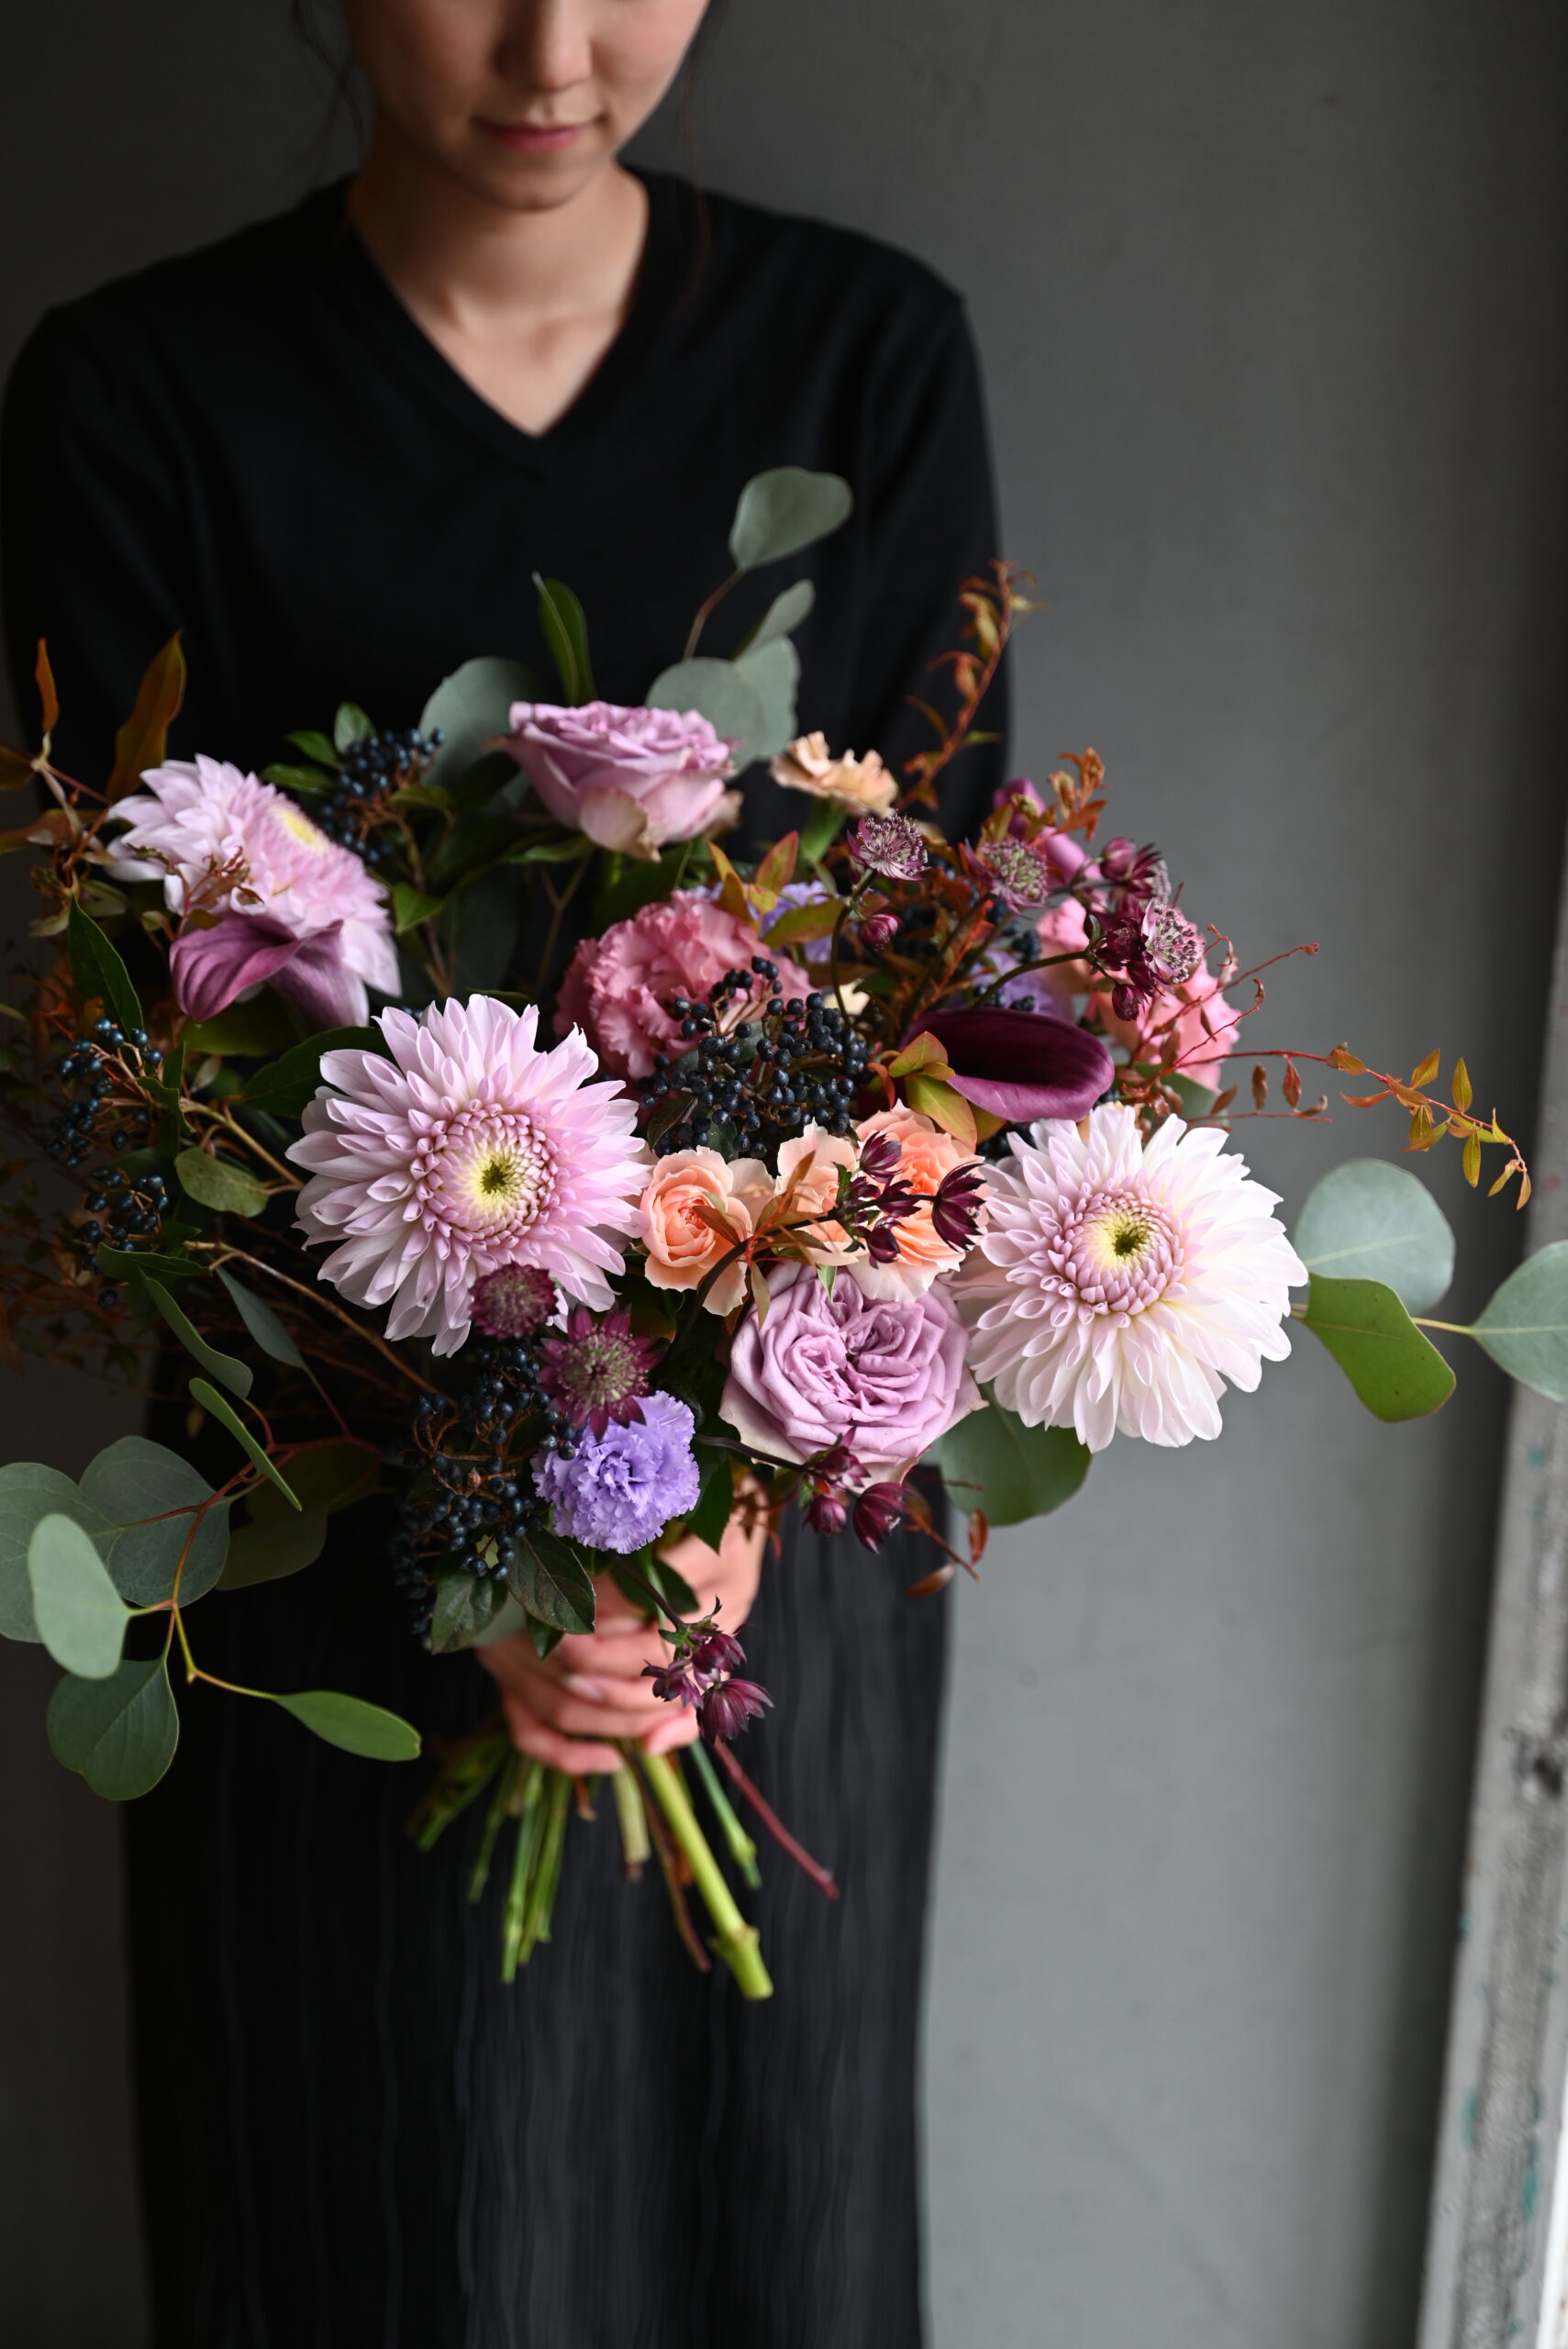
<point>534,138</point>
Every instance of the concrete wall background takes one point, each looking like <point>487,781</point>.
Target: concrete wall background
<point>1270,298</point>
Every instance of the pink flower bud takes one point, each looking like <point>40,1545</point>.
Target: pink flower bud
<point>878,1512</point>
<point>878,932</point>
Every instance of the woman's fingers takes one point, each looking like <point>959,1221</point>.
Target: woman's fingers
<point>583,1757</point>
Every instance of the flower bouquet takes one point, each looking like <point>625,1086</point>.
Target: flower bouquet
<point>822,1178</point>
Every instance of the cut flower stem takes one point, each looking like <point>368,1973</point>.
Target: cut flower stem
<point>737,1941</point>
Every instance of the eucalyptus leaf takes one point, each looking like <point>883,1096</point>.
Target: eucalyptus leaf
<point>1395,1370</point>
<point>150,1495</point>
<point>783,615</point>
<point>80,1615</point>
<point>236,1375</point>
<point>470,706</point>
<point>719,692</point>
<point>271,1547</point>
<point>547,1576</point>
<point>221,1409</point>
<point>1371,1220</point>
<point>772,672</point>
<point>327,1477</point>
<point>1525,1326</point>
<point>262,1322</point>
<point>783,510</point>
<point>219,1184</point>
<point>29,1491</point>
<point>350,1722</point>
<point>121,1733</point>
<point>991,1461</point>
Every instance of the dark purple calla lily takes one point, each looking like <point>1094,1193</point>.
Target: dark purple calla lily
<point>1021,1064</point>
<point>210,968</point>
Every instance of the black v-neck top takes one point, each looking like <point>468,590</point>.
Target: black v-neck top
<point>256,443</point>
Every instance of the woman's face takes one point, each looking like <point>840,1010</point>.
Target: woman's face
<point>521,100</point>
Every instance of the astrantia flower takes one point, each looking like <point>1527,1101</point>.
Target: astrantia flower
<point>513,1302</point>
<point>1173,946</point>
<point>597,1371</point>
<point>242,850</point>
<point>466,1150</point>
<point>1021,875</point>
<point>890,846</point>
<point>621,1489</point>
<point>1119,1287</point>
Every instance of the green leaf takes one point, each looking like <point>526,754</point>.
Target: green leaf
<point>1198,1100</point>
<point>350,725</point>
<point>120,1733</point>
<point>466,1605</point>
<point>222,1409</point>
<point>236,1375</point>
<point>97,970</point>
<point>991,1461</point>
<point>824,821</point>
<point>716,1498</point>
<point>125,1262</point>
<point>80,1615</point>
<point>1525,1326</point>
<point>219,1184</point>
<point>566,633</point>
<point>1369,1220</point>
<point>329,1476</point>
<point>509,1619</point>
<point>288,1084</point>
<point>782,511</point>
<point>28,1492</point>
<point>721,692</point>
<point>149,1496</point>
<point>262,1322</point>
<point>249,1030</point>
<point>772,672</point>
<point>636,884</point>
<point>782,615</point>
<point>350,1722</point>
<point>314,745</point>
<point>271,1547</point>
<point>672,1588</point>
<point>1397,1372</point>
<point>816,919</point>
<point>548,1578</point>
<point>471,706</point>
<point>410,907</point>
<point>289,777</point>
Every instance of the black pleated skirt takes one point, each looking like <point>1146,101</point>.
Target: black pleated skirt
<point>353,2134</point>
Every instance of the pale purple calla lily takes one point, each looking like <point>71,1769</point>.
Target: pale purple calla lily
<point>1021,1064</point>
<point>213,967</point>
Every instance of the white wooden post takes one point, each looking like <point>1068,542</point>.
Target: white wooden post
<point>1498,2247</point>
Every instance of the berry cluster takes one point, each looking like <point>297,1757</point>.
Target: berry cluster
<point>113,1058</point>
<point>134,1207</point>
<point>369,768</point>
<point>764,1076</point>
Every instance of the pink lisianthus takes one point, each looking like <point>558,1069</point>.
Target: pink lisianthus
<point>885,1377</point>
<point>630,779</point>
<point>615,986</point>
<point>296,908</point>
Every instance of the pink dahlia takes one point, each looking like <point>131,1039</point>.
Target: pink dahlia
<point>615,986</point>
<point>1119,1287</point>
<point>234,847</point>
<point>466,1150</point>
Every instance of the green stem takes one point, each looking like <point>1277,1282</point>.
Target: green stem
<point>526,1802</point>
<point>636,1849</point>
<point>547,1874</point>
<point>742,1851</point>
<point>736,1941</point>
<point>1455,1329</point>
<point>499,1801</point>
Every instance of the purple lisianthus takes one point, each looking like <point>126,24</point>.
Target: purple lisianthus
<point>823,1368</point>
<point>621,1489</point>
<point>630,779</point>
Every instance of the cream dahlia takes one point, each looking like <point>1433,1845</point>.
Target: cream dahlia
<point>1118,1287</point>
<point>464,1150</point>
<point>237,848</point>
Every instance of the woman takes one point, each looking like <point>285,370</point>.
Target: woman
<point>333,449</point>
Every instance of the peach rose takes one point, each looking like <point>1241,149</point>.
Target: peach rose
<point>864,786</point>
<point>816,1157</point>
<point>683,1246</point>
<point>924,1154</point>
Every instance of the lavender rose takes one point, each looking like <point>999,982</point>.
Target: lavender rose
<point>632,779</point>
<point>886,1378</point>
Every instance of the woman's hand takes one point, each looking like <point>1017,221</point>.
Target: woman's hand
<point>591,1687</point>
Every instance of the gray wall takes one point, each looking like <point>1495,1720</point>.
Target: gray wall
<point>1269,297</point>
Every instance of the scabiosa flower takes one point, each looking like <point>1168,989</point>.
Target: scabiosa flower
<point>621,1489</point>
<point>1119,1287</point>
<point>597,1371</point>
<point>513,1302</point>
<point>295,907</point>
<point>890,846</point>
<point>465,1150</point>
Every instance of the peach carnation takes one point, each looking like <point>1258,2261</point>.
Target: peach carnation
<point>615,986</point>
<point>862,784</point>
<point>924,1154</point>
<point>673,1213</point>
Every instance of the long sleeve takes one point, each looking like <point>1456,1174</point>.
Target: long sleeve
<point>91,535</point>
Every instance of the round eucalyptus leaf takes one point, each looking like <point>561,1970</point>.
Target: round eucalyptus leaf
<point>470,707</point>
<point>1525,1326</point>
<point>29,1491</point>
<point>1394,1367</point>
<point>272,1547</point>
<point>356,1726</point>
<point>783,615</point>
<point>991,1461</point>
<point>1369,1220</point>
<point>219,1184</point>
<point>120,1733</point>
<point>136,1483</point>
<point>80,1615</point>
<point>782,511</point>
<point>772,672</point>
<point>719,692</point>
